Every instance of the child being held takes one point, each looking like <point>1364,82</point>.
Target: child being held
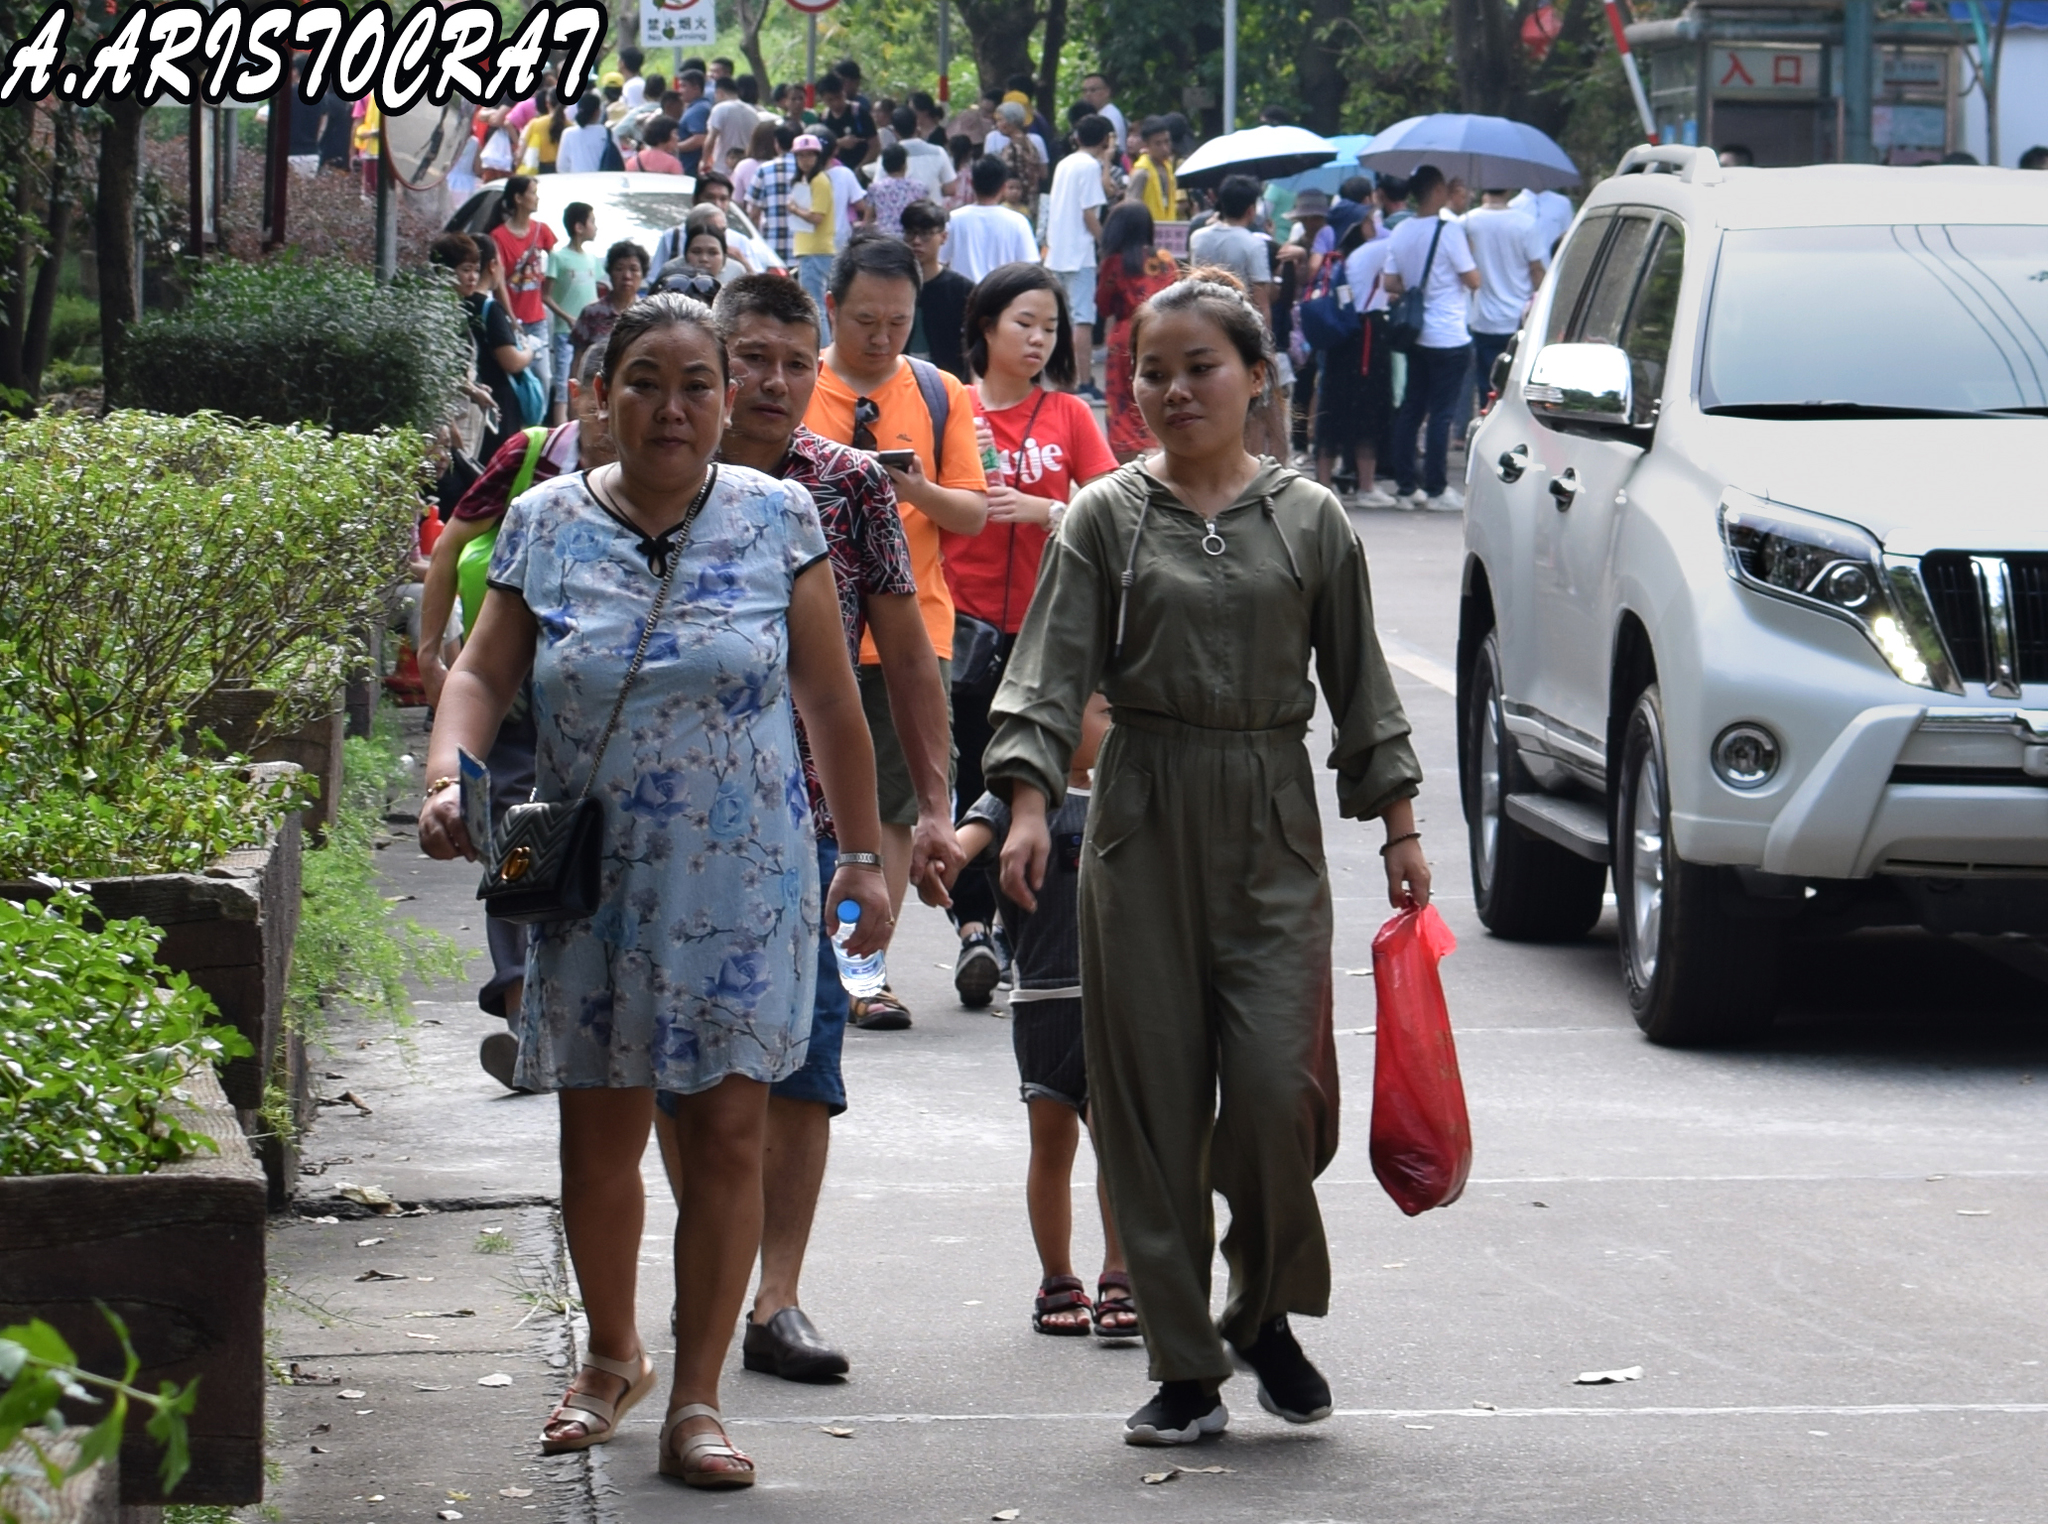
<point>1045,1026</point>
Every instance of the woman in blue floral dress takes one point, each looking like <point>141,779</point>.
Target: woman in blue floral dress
<point>695,976</point>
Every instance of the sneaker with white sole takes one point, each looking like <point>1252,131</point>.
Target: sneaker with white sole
<point>1182,1413</point>
<point>1450,500</point>
<point>1374,499</point>
<point>977,970</point>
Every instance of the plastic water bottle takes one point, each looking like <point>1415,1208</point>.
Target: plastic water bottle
<point>863,975</point>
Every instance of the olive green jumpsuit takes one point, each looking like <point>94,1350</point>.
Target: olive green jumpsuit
<point>1205,902</point>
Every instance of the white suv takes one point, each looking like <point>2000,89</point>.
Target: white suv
<point>1755,601</point>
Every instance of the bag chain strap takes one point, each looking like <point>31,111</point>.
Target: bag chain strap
<point>647,633</point>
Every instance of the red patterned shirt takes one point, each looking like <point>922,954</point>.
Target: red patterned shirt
<point>864,538</point>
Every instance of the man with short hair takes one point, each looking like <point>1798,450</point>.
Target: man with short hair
<point>693,121</point>
<point>730,126</point>
<point>633,92</point>
<point>1431,254</point>
<point>2035,157</point>
<point>942,299</point>
<point>1229,241</point>
<point>1512,255</point>
<point>987,234</point>
<point>1152,183</point>
<point>721,68</point>
<point>931,122</point>
<point>930,167</point>
<point>768,195</point>
<point>844,122</point>
<point>1095,90</point>
<point>871,397</point>
<point>770,330</point>
<point>1073,222</point>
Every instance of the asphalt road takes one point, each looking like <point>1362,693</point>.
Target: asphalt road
<point>1823,1251</point>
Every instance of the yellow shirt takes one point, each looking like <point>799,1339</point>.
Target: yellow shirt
<point>821,238</point>
<point>536,140</point>
<point>1161,194</point>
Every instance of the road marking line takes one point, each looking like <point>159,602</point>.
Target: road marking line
<point>1418,663</point>
<point>1784,1410</point>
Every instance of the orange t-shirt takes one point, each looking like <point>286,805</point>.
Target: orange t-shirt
<point>906,424</point>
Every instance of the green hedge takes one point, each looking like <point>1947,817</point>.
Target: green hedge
<point>291,341</point>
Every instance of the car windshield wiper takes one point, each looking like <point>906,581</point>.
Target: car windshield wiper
<point>1823,410</point>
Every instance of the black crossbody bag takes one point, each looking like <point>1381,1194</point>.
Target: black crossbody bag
<point>547,859</point>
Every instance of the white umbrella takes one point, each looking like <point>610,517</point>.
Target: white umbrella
<point>1486,152</point>
<point>1264,153</point>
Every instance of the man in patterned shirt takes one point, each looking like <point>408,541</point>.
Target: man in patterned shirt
<point>770,330</point>
<point>768,197</point>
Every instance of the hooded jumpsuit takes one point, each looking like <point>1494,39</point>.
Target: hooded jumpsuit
<point>1205,902</point>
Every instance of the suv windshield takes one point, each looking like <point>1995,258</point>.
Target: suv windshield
<point>1910,318</point>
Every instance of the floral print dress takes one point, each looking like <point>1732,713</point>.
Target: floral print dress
<point>701,961</point>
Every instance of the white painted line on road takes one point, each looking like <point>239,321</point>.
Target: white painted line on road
<point>1785,1410</point>
<point>1418,663</point>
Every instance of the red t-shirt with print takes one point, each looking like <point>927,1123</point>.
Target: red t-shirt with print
<point>526,267</point>
<point>1050,445</point>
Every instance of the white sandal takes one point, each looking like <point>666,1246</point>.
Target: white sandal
<point>581,1407</point>
<point>698,1446</point>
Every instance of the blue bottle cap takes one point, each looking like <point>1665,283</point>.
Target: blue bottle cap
<point>849,910</point>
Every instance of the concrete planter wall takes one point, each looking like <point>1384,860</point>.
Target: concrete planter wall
<point>179,1255</point>
<point>233,716</point>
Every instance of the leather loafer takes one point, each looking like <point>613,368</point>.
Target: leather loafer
<point>789,1346</point>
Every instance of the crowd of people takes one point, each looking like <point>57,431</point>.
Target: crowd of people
<point>922,606</point>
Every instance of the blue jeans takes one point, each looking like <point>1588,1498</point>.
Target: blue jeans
<point>543,366</point>
<point>814,274</point>
<point>819,1080</point>
<point>561,354</point>
<point>1434,377</point>
<point>1486,348</point>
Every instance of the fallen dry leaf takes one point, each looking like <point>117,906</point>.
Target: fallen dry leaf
<point>1205,1470</point>
<point>836,1433</point>
<point>421,1386</point>
<point>1486,1407</point>
<point>368,1243</point>
<point>379,1275</point>
<point>458,1497</point>
<point>350,1394</point>
<point>1608,1378</point>
<point>449,1513</point>
<point>318,1449</point>
<point>460,1312</point>
<point>515,1492</point>
<point>1973,1211</point>
<point>1006,1514</point>
<point>496,1378</point>
<point>1160,1478</point>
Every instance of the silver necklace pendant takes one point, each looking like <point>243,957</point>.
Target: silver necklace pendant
<point>1212,542</point>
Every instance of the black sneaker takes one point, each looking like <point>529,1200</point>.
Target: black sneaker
<point>1180,1414</point>
<point>977,970</point>
<point>499,1055</point>
<point>1289,1387</point>
<point>1002,945</point>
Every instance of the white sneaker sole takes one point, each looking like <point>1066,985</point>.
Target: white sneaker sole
<point>1266,1401</point>
<point>1212,1422</point>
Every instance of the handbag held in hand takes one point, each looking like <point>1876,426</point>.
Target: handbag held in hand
<point>547,859</point>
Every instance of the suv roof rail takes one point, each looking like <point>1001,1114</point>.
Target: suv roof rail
<point>1695,166</point>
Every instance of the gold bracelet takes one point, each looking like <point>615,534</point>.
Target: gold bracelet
<point>440,783</point>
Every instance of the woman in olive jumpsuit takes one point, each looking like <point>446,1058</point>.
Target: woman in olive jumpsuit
<point>1193,589</point>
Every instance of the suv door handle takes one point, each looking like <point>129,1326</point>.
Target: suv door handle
<point>1565,487</point>
<point>1512,463</point>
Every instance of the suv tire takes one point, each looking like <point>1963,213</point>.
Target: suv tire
<point>1528,889</point>
<point>1695,974</point>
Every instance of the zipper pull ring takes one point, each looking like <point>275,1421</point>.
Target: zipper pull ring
<point>1212,542</point>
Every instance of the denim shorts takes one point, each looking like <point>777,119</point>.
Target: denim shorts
<point>1080,286</point>
<point>819,1080</point>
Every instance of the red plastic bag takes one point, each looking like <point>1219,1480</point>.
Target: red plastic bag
<point>1421,1136</point>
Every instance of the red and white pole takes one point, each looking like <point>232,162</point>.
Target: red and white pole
<point>1628,65</point>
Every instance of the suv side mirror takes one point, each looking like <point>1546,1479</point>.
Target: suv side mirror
<point>1581,383</point>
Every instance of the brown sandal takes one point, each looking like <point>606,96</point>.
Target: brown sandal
<point>1107,1306</point>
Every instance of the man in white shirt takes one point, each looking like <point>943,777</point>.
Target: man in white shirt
<point>1552,211</point>
<point>1096,92</point>
<point>631,61</point>
<point>1512,254</point>
<point>730,128</point>
<point>982,236</point>
<point>1073,221</point>
<point>1431,254</point>
<point>930,166</point>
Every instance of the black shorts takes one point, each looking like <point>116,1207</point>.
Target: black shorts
<point>1047,1037</point>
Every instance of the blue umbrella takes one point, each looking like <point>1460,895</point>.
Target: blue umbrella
<point>1330,177</point>
<point>1486,152</point>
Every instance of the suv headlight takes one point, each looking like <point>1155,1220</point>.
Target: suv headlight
<point>1838,568</point>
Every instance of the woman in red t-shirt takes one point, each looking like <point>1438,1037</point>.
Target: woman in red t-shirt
<point>1018,334</point>
<point>523,242</point>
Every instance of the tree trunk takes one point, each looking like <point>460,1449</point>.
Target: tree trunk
<point>1318,69</point>
<point>19,141</point>
<point>1049,64</point>
<point>36,344</point>
<point>1001,33</point>
<point>1483,32</point>
<point>114,232</point>
<point>751,19</point>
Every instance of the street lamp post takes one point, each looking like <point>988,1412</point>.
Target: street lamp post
<point>1229,65</point>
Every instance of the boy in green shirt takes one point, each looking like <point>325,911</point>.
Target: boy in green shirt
<point>571,285</point>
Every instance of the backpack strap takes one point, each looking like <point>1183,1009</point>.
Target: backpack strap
<point>932,387</point>
<point>536,441</point>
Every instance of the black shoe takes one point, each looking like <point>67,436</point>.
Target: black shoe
<point>499,1054</point>
<point>789,1346</point>
<point>881,1012</point>
<point>1181,1413</point>
<point>1001,939</point>
<point>1289,1387</point>
<point>977,970</point>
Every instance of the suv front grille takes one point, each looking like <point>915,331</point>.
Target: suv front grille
<point>1959,609</point>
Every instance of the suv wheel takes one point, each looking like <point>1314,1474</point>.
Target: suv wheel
<point>1696,975</point>
<point>1528,889</point>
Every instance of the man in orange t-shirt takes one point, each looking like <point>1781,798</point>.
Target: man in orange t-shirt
<point>871,397</point>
